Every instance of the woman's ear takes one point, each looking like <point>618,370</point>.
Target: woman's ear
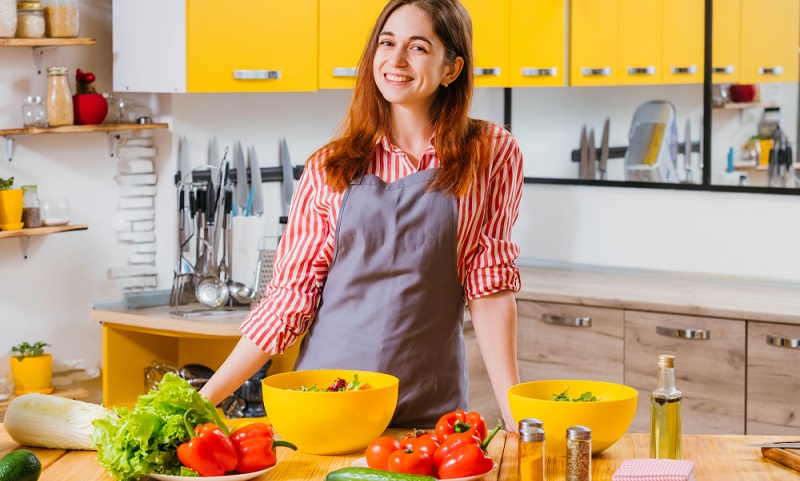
<point>453,71</point>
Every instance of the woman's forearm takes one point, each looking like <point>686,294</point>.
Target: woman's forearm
<point>244,361</point>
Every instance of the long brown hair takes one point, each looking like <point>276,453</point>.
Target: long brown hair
<point>460,142</point>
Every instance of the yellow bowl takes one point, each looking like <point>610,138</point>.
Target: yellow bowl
<point>329,422</point>
<point>608,418</point>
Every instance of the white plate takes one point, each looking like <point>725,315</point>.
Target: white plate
<point>227,477</point>
<point>362,463</point>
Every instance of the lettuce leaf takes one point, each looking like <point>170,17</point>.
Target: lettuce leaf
<point>131,444</point>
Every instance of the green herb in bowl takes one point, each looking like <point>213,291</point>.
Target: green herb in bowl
<point>586,397</point>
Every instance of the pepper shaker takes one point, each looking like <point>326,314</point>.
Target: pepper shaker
<point>579,454</point>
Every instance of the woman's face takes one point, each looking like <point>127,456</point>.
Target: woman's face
<point>409,63</point>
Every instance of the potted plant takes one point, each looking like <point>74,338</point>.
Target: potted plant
<point>89,107</point>
<point>10,205</point>
<point>31,368</point>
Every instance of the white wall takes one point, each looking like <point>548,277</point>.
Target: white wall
<point>48,296</point>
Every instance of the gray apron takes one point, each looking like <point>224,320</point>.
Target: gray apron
<point>392,301</point>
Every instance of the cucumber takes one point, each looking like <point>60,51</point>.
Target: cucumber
<point>368,474</point>
<point>20,465</point>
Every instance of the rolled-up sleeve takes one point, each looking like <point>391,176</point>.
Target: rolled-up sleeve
<point>491,266</point>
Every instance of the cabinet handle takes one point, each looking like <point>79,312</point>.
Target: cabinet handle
<point>727,69</point>
<point>694,334</point>
<point>783,342</point>
<point>567,321</point>
<point>651,70</point>
<point>345,72</point>
<point>487,72</point>
<point>691,69</point>
<point>777,70</point>
<point>539,72</point>
<point>596,72</point>
<point>257,74</point>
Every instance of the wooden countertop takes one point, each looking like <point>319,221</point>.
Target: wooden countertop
<point>715,458</point>
<point>160,319</point>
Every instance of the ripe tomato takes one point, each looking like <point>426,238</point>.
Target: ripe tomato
<point>426,445</point>
<point>410,461</point>
<point>412,437</point>
<point>379,450</point>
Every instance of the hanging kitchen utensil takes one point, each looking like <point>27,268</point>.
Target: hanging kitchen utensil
<point>592,160</point>
<point>601,168</point>
<point>687,153</point>
<point>287,182</point>
<point>584,159</point>
<point>240,189</point>
<point>257,202</point>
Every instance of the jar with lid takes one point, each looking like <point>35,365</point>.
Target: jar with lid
<point>59,98</point>
<point>579,454</point>
<point>531,455</point>
<point>30,20</point>
<point>61,18</point>
<point>31,212</point>
<point>33,113</point>
<point>8,18</point>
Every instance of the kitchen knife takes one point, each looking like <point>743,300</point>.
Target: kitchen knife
<point>592,162</point>
<point>584,154</point>
<point>183,161</point>
<point>687,153</point>
<point>787,445</point>
<point>604,150</point>
<point>240,190</point>
<point>257,202</point>
<point>288,176</point>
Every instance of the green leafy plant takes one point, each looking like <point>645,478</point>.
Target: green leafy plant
<point>585,397</point>
<point>5,184</point>
<point>29,350</point>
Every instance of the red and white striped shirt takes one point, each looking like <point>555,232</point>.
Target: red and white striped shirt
<point>486,255</point>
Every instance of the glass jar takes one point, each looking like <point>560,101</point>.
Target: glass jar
<point>531,452</point>
<point>33,112</point>
<point>62,18</point>
<point>55,211</point>
<point>8,18</point>
<point>31,213</point>
<point>579,454</point>
<point>59,98</point>
<point>30,20</point>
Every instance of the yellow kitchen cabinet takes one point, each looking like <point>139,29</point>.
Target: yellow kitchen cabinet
<point>538,43</point>
<point>684,30</point>
<point>594,42</point>
<point>725,40</point>
<point>490,30</point>
<point>770,36</point>
<point>344,26</point>
<point>640,31</point>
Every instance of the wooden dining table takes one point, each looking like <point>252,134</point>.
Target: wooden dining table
<point>715,458</point>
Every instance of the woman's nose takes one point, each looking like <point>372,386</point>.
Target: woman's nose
<point>398,57</point>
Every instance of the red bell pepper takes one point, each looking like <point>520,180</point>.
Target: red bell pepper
<point>460,421</point>
<point>255,447</point>
<point>210,452</point>
<point>464,456</point>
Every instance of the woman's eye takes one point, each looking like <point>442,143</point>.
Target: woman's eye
<point>385,43</point>
<point>418,48</point>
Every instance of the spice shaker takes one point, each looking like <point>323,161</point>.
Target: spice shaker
<point>31,214</point>
<point>579,454</point>
<point>531,460</point>
<point>30,20</point>
<point>33,113</point>
<point>59,98</point>
<point>665,413</point>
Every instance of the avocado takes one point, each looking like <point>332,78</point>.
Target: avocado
<point>20,465</point>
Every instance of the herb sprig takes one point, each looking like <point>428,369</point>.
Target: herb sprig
<point>583,398</point>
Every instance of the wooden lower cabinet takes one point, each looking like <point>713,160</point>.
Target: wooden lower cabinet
<point>563,341</point>
<point>709,372</point>
<point>773,383</point>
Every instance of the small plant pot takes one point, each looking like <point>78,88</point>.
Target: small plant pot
<point>32,374</point>
<point>11,209</point>
<point>89,109</point>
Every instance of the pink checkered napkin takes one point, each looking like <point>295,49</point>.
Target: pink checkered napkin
<point>654,470</point>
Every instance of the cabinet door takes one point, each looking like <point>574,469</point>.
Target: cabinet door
<point>538,43</point>
<point>770,38</point>
<point>594,42</point>
<point>683,42</point>
<point>490,20</point>
<point>640,26</point>
<point>562,341</point>
<point>709,371</point>
<point>725,40</point>
<point>773,381</point>
<point>344,26</point>
<point>251,46</point>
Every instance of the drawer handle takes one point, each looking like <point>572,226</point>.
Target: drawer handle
<point>567,321</point>
<point>783,342</point>
<point>691,69</point>
<point>778,70</point>
<point>257,74</point>
<point>727,69</point>
<point>694,334</point>
<point>345,72</point>
<point>487,72</point>
<point>540,72</point>
<point>595,72</point>
<point>651,70</point>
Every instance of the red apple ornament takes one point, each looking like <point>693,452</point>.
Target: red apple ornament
<point>89,107</point>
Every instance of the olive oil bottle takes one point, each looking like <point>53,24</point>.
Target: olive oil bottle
<point>665,413</point>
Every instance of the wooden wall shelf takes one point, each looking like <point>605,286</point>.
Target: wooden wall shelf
<point>45,42</point>
<point>24,235</point>
<point>75,129</point>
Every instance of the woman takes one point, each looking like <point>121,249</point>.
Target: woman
<point>394,225</point>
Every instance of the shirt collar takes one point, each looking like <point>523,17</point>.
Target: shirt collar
<point>387,145</point>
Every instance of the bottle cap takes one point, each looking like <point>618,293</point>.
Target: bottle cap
<point>29,5</point>
<point>579,433</point>
<point>57,71</point>
<point>530,423</point>
<point>666,361</point>
<point>531,435</point>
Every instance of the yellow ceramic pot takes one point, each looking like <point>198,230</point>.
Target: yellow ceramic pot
<point>32,374</point>
<point>11,209</point>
